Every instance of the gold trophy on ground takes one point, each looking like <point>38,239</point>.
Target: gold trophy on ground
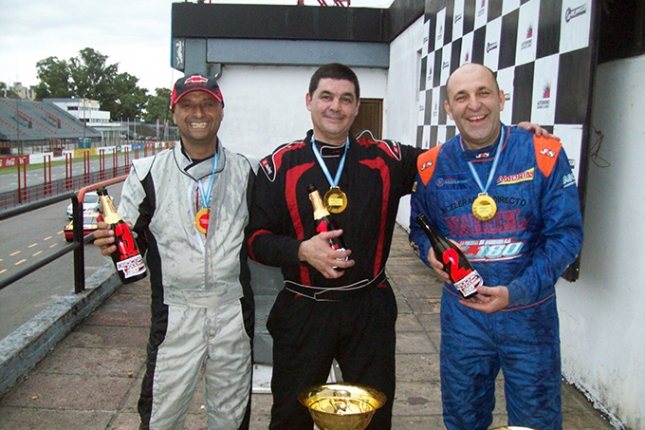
<point>512,428</point>
<point>342,406</point>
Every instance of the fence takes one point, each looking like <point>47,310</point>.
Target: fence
<point>23,195</point>
<point>35,193</point>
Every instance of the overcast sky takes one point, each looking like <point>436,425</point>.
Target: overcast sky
<point>133,33</point>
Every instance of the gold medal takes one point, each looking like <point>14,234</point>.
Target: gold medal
<point>335,200</point>
<point>484,207</point>
<point>201,219</point>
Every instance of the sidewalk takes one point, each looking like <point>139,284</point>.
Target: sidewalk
<point>91,380</point>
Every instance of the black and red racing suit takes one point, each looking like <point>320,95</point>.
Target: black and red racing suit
<point>357,329</point>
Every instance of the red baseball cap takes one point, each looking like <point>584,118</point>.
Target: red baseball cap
<point>191,83</point>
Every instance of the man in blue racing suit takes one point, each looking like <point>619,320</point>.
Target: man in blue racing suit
<point>509,199</point>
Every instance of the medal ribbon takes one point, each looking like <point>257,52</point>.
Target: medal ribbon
<point>205,195</point>
<point>492,170</point>
<point>332,183</point>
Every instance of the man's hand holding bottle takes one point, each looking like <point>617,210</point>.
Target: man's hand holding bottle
<point>104,238</point>
<point>487,300</point>
<point>325,259</point>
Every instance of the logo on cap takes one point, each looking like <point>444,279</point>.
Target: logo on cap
<point>196,80</point>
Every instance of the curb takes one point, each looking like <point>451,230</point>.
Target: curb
<point>23,349</point>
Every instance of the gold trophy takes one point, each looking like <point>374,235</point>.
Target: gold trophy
<point>512,428</point>
<point>341,406</point>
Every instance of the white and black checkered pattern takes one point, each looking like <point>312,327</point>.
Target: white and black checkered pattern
<point>540,51</point>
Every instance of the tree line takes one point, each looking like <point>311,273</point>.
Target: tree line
<point>89,76</point>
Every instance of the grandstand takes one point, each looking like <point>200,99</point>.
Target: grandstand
<point>28,127</point>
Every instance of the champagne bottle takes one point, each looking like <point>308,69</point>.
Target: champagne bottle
<point>127,258</point>
<point>324,221</point>
<point>462,274</point>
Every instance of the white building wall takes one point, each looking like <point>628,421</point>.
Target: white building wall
<point>602,316</point>
<point>84,109</point>
<point>402,96</point>
<point>264,106</point>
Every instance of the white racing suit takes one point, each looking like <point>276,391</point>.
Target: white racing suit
<point>202,304</point>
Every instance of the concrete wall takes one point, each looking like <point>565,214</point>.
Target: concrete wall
<point>601,315</point>
<point>25,347</point>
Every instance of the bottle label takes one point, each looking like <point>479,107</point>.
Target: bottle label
<point>124,241</point>
<point>457,272</point>
<point>131,267</point>
<point>469,284</point>
<point>336,246</point>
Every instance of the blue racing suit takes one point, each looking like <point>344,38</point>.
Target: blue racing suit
<point>535,234</point>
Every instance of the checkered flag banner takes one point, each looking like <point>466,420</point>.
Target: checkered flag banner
<point>540,50</point>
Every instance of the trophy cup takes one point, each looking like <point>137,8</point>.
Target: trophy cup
<point>341,406</point>
<point>512,428</point>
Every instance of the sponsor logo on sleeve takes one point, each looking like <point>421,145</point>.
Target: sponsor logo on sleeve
<point>548,152</point>
<point>568,180</point>
<point>268,168</point>
<point>426,165</point>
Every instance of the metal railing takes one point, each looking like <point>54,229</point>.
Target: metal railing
<point>78,240</point>
<point>24,194</point>
<point>61,187</point>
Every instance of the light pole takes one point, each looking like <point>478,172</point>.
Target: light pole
<point>18,127</point>
<point>84,122</point>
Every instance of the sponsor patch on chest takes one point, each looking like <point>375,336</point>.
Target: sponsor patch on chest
<point>452,181</point>
<point>492,249</point>
<point>515,178</point>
